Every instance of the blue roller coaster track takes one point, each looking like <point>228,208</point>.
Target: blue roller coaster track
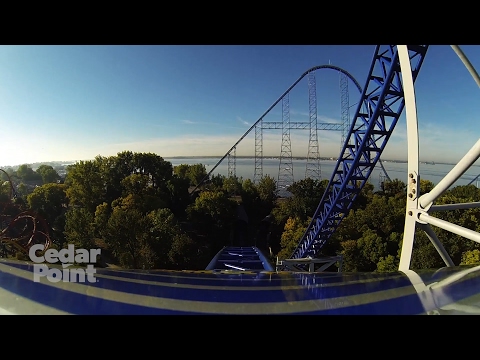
<point>161,292</point>
<point>315,68</point>
<point>382,97</point>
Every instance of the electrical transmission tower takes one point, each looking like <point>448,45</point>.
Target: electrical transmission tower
<point>232,156</point>
<point>345,108</point>
<point>313,158</point>
<point>258,174</point>
<point>285,169</point>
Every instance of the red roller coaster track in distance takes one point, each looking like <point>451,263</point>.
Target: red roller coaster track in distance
<point>20,229</point>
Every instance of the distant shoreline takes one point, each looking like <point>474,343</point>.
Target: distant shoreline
<point>301,158</point>
<point>219,157</point>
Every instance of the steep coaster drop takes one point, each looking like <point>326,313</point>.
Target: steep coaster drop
<point>240,280</point>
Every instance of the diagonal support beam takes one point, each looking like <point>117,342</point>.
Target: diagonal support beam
<point>382,101</point>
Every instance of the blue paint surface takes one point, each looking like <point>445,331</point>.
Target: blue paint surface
<point>334,293</point>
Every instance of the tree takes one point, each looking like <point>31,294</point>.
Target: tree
<point>250,196</point>
<point>351,254</point>
<point>424,255</point>
<point>139,188</point>
<point>22,190</point>
<point>183,253</point>
<point>471,257</point>
<point>179,197</point>
<point>154,166</point>
<point>216,205</point>
<point>85,185</point>
<point>48,174</point>
<point>79,228</point>
<point>102,214</point>
<point>194,173</point>
<point>308,188</point>
<point>6,190</point>
<point>468,193</point>
<point>373,248</point>
<point>307,194</point>
<point>426,186</point>
<point>293,232</point>
<point>173,247</point>
<point>26,173</point>
<point>125,236</point>
<point>181,171</point>
<point>364,196</point>
<point>215,182</point>
<point>395,187</point>
<point>49,200</point>
<point>232,185</point>
<point>388,264</point>
<point>267,189</point>
<point>213,214</point>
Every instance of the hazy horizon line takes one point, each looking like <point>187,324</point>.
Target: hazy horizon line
<point>219,157</point>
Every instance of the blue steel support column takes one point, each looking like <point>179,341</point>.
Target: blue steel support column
<point>258,174</point>
<point>285,168</point>
<point>313,158</point>
<point>369,133</point>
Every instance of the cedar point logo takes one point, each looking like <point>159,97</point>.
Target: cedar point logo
<point>67,257</point>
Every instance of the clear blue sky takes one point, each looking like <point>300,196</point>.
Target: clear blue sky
<point>75,102</point>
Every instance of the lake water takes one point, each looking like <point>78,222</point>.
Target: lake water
<point>245,168</point>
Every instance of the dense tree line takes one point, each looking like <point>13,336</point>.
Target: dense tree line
<point>371,234</point>
<point>138,209</point>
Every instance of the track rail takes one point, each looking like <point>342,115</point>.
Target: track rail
<point>19,230</point>
<point>13,193</point>
<point>241,259</point>
<point>383,101</point>
<point>318,67</point>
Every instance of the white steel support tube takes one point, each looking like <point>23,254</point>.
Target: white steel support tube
<point>437,243</point>
<point>417,208</point>
<point>454,278</point>
<point>423,291</point>
<point>413,157</point>
<point>427,297</point>
<point>472,156</point>
<point>467,63</point>
<point>467,309</point>
<point>445,207</point>
<point>456,229</point>
<point>458,170</point>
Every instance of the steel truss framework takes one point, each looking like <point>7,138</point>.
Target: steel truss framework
<point>345,106</point>
<point>258,172</point>
<point>232,163</point>
<point>312,169</point>
<point>418,209</point>
<point>285,167</point>
<point>383,101</point>
<point>261,125</point>
<point>274,125</point>
<point>309,263</point>
<point>278,125</point>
